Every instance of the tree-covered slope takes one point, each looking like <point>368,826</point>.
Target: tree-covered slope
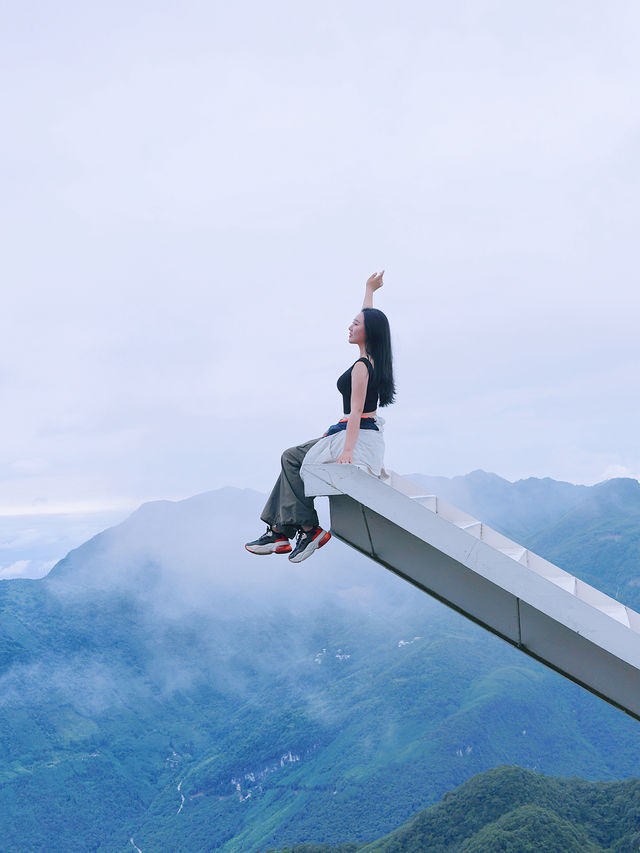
<point>511,810</point>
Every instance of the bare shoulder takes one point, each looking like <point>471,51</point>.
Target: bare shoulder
<point>360,371</point>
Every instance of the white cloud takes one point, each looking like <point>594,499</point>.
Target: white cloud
<point>21,467</point>
<point>19,569</point>
<point>616,470</point>
<point>44,507</point>
<point>187,231</point>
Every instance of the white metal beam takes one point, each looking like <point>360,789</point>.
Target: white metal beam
<point>549,614</point>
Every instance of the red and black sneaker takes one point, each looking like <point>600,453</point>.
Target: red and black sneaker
<point>271,543</point>
<point>307,542</point>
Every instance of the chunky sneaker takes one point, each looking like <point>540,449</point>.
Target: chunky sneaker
<point>271,542</point>
<point>307,542</point>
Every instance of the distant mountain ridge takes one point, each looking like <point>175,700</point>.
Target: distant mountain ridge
<point>523,507</point>
<point>183,689</point>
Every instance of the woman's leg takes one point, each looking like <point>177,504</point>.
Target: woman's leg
<point>288,508</point>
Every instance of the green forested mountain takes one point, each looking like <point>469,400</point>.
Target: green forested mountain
<point>511,810</point>
<point>165,690</point>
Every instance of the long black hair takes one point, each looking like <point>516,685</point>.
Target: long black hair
<point>378,346</point>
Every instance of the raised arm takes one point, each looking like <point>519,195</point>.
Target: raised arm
<point>374,282</point>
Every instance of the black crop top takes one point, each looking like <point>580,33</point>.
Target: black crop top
<point>344,387</point>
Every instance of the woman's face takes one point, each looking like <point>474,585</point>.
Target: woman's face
<point>356,330</point>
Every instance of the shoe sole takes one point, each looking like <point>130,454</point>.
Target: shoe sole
<point>265,550</point>
<point>311,547</point>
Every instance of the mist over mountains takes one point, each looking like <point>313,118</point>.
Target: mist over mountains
<point>162,684</point>
<point>30,545</point>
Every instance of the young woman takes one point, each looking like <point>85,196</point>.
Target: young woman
<point>356,438</point>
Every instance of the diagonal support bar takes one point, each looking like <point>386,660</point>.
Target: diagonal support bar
<point>550,615</point>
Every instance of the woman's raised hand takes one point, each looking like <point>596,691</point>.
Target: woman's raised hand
<point>374,282</point>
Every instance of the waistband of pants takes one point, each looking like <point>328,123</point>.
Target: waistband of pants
<point>365,423</point>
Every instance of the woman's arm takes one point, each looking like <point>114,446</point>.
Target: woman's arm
<point>359,382</point>
<point>374,282</point>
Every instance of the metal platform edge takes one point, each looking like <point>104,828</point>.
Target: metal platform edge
<point>506,598</point>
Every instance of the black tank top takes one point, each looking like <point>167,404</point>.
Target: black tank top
<point>344,387</point>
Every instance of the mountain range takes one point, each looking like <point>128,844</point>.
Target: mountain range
<point>161,689</point>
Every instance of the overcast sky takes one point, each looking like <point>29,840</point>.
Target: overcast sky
<point>194,193</point>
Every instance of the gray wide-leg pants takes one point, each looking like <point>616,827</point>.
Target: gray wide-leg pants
<point>288,508</point>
